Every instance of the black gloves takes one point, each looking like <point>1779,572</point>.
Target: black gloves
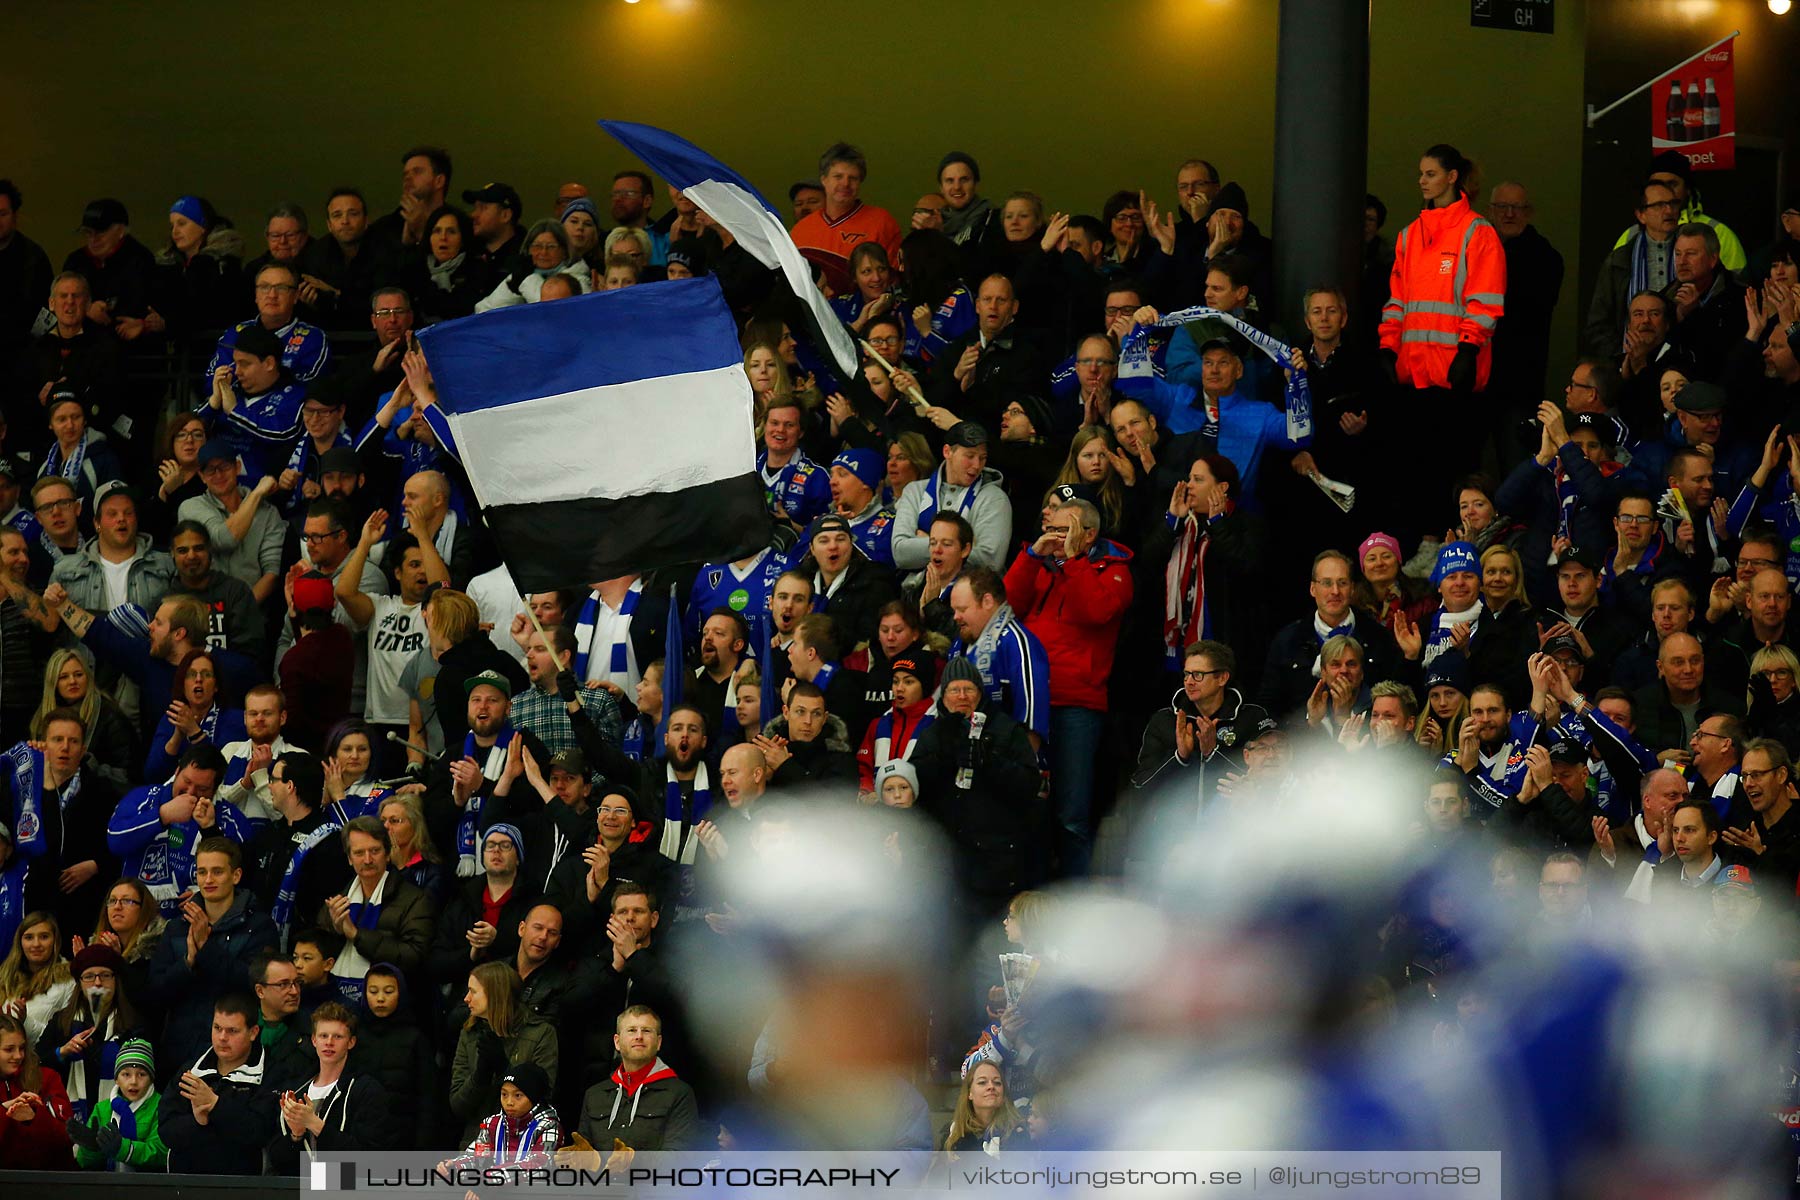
<point>82,1134</point>
<point>1390,363</point>
<point>1462,368</point>
<point>566,687</point>
<point>108,1141</point>
<point>490,1053</point>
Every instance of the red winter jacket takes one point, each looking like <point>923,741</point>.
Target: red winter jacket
<point>42,1143</point>
<point>1448,287</point>
<point>1074,610</point>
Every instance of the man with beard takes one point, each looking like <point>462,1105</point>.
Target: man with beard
<point>548,706</point>
<point>723,640</point>
<point>669,1121</point>
<point>1491,750</point>
<point>179,625</point>
<point>235,620</point>
<point>480,778</point>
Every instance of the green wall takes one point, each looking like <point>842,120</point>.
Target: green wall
<point>251,104</point>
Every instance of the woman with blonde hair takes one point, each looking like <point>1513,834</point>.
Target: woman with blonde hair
<point>34,978</point>
<point>1090,463</point>
<point>985,1120</point>
<point>69,683</point>
<point>909,460</point>
<point>1446,704</point>
<point>768,377</point>
<point>1774,696</point>
<point>412,853</point>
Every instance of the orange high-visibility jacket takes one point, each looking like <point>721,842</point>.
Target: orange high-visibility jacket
<point>1448,286</point>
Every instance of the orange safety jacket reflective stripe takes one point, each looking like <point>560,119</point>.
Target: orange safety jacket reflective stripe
<point>1448,287</point>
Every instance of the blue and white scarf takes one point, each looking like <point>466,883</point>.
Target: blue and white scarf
<point>468,861</point>
<point>982,652</point>
<point>929,510</point>
<point>527,1143</point>
<point>677,824</point>
<point>283,908</point>
<point>1640,272</point>
<point>590,618</point>
<point>209,725</point>
<point>1134,357</point>
<point>27,783</point>
<point>304,454</point>
<point>70,469</point>
<point>1440,639</point>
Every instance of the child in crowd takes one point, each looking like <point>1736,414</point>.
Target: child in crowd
<point>315,953</point>
<point>525,1132</point>
<point>122,1134</point>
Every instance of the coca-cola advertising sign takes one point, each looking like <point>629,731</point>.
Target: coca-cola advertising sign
<point>1694,110</point>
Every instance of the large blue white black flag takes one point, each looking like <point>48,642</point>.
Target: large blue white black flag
<point>605,434</point>
<point>729,199</point>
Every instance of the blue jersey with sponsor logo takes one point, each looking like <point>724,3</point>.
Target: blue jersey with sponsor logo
<point>801,489</point>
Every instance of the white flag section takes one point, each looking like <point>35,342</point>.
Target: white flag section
<point>607,433</point>
<point>728,198</point>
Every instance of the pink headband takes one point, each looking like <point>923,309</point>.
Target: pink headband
<point>1377,539</point>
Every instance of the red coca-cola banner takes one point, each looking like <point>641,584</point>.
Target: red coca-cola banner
<point>1694,110</point>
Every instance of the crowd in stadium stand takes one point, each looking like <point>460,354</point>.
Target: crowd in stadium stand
<point>315,834</point>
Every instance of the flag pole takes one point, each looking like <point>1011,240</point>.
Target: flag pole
<point>1594,115</point>
<point>918,397</point>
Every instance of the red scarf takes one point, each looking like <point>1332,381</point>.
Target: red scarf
<point>1184,579</point>
<point>490,907</point>
<point>630,1081</point>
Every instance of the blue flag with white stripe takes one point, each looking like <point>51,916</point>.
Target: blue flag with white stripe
<point>729,199</point>
<point>605,434</point>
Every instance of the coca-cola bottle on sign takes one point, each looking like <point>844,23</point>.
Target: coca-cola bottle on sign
<point>1709,123</point>
<point>1672,113</point>
<point>1693,116</point>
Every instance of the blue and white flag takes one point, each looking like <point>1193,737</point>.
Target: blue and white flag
<point>729,199</point>
<point>605,434</point>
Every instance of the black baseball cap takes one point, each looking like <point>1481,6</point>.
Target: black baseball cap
<point>495,193</point>
<point>968,434</point>
<point>1568,751</point>
<point>102,214</point>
